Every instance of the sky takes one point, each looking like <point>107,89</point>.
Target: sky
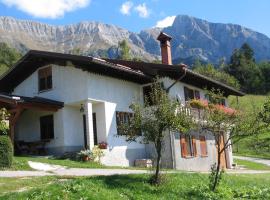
<point>136,15</point>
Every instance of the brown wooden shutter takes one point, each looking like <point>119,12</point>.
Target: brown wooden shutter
<point>203,146</point>
<point>194,147</point>
<point>183,146</point>
<point>45,72</point>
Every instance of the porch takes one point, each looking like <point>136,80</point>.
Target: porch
<point>16,106</point>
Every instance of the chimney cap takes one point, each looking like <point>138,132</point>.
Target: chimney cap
<point>164,37</point>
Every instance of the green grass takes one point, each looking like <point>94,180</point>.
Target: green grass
<point>176,186</point>
<point>252,165</point>
<point>246,147</point>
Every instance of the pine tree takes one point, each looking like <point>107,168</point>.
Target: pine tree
<point>8,57</point>
<point>124,50</point>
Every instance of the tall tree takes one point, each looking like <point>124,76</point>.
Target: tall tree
<point>243,67</point>
<point>8,56</point>
<point>155,120</point>
<point>124,50</point>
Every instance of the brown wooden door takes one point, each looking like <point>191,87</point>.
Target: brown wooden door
<point>223,160</point>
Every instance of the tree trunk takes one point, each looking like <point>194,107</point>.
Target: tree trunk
<point>158,149</point>
<point>217,173</point>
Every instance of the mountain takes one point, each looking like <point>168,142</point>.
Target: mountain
<point>193,38</point>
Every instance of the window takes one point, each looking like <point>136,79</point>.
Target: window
<point>46,127</point>
<point>188,146</point>
<point>146,94</point>
<point>45,79</point>
<point>191,94</point>
<point>123,118</point>
<point>147,90</point>
<point>203,146</point>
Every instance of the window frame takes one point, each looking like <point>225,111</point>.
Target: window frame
<point>45,122</point>
<point>45,73</point>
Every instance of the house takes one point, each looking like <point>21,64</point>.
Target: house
<point>70,102</point>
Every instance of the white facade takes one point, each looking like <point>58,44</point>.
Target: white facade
<point>98,94</point>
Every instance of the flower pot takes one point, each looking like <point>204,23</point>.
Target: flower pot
<point>86,158</point>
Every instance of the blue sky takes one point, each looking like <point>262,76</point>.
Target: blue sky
<point>136,15</point>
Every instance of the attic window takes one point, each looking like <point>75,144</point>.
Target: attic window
<point>45,79</point>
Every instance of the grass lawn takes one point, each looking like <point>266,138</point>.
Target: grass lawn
<point>252,165</point>
<point>176,186</point>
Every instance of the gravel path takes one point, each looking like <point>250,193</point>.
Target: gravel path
<point>257,160</point>
<point>54,170</point>
<point>13,174</point>
<point>71,172</point>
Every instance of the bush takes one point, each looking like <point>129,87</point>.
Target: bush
<point>6,152</point>
<point>3,128</point>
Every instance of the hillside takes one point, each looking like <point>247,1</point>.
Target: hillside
<point>193,38</point>
<point>247,147</point>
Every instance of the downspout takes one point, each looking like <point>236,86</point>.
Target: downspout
<point>177,80</point>
<point>172,150</point>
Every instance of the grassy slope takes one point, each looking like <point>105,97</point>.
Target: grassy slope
<point>177,186</point>
<point>249,102</point>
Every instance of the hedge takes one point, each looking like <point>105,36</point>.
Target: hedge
<point>6,152</point>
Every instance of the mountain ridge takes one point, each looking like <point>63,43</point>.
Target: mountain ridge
<point>193,38</point>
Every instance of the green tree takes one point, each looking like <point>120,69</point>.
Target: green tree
<point>155,120</point>
<point>8,57</point>
<point>230,126</point>
<point>210,71</point>
<point>3,122</point>
<point>265,71</point>
<point>243,67</point>
<point>124,50</point>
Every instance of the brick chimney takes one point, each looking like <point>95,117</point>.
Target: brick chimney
<point>165,45</point>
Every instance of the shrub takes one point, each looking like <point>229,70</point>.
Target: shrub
<point>6,152</point>
<point>97,153</point>
<point>3,128</point>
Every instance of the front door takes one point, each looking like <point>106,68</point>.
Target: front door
<point>85,132</point>
<point>94,130</point>
<point>223,161</point>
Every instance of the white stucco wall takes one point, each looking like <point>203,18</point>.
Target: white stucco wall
<point>75,87</point>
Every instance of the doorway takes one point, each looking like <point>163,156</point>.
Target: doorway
<point>94,117</point>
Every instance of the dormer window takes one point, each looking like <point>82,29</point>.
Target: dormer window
<point>45,79</point>
<point>191,94</point>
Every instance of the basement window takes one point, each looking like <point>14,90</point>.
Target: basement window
<point>45,79</point>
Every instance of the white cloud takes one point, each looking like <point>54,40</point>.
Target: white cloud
<point>142,10</point>
<point>47,8</point>
<point>168,21</point>
<point>126,7</point>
